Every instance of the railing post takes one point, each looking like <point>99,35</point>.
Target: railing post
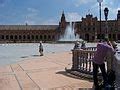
<point>75,59</point>
<point>109,60</point>
<point>116,67</point>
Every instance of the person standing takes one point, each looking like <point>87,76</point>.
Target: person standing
<point>83,45</point>
<point>41,48</point>
<point>77,45</point>
<point>99,61</point>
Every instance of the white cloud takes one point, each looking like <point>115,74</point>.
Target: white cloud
<point>50,22</point>
<point>113,12</point>
<point>32,10</point>
<point>74,16</point>
<point>30,22</point>
<point>31,16</point>
<point>118,9</point>
<point>80,2</point>
<point>113,7</point>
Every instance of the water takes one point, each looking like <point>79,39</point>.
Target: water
<point>69,34</point>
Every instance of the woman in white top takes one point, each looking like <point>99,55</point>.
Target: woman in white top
<point>41,48</point>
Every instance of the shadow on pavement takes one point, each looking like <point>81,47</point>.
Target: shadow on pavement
<point>73,76</point>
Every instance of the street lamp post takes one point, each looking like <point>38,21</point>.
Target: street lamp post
<point>106,17</point>
<point>100,1</point>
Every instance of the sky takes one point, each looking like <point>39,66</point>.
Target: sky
<point>49,11</point>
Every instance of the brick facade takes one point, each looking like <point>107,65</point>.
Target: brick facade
<point>87,28</point>
<point>29,33</point>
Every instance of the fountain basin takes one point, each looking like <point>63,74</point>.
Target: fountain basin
<point>70,41</point>
<point>69,36</point>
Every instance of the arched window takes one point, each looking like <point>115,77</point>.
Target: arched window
<point>87,37</point>
<point>36,37</point>
<point>41,37</point>
<point>16,37</point>
<point>7,37</point>
<point>118,36</point>
<point>53,37</point>
<point>45,37</point>
<point>20,37</point>
<point>32,36</point>
<point>102,36</point>
<point>49,37</point>
<point>114,37</point>
<point>84,28</point>
<point>89,29</point>
<point>109,36</point>
<point>93,28</point>
<point>11,36</point>
<point>2,37</point>
<point>28,36</point>
<point>24,37</point>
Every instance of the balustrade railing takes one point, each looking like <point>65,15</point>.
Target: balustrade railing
<point>82,60</point>
<point>91,48</point>
<point>82,63</point>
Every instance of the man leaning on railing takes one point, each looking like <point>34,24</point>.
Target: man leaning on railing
<point>99,61</point>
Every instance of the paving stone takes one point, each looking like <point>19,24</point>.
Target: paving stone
<point>42,73</point>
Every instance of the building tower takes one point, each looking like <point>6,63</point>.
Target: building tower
<point>118,15</point>
<point>118,23</point>
<point>62,23</point>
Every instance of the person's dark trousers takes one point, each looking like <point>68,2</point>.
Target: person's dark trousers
<point>95,73</point>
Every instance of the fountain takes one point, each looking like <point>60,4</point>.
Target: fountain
<point>69,35</point>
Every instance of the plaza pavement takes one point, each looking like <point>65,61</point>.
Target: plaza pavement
<point>42,73</point>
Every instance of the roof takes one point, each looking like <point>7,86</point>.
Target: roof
<point>28,27</point>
